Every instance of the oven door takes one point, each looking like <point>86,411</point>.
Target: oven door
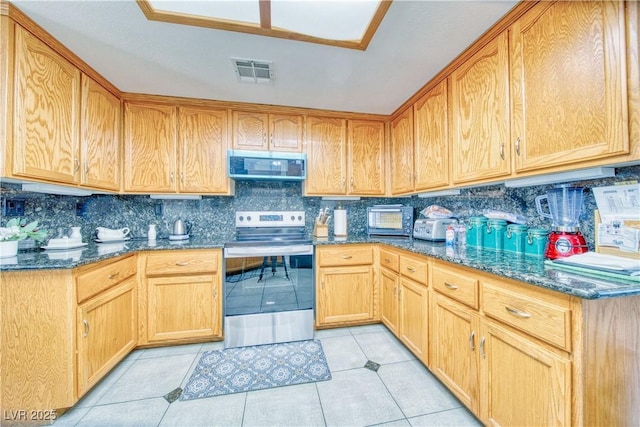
<point>268,294</point>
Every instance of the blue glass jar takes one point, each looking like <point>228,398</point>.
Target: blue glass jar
<point>515,238</point>
<point>494,234</point>
<point>536,242</point>
<point>476,230</point>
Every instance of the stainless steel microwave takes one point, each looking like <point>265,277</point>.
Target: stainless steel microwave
<point>390,220</point>
<point>266,165</point>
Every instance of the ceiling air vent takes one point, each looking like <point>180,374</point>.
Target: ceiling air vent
<point>249,70</point>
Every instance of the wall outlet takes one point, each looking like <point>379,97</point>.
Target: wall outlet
<point>158,209</point>
<point>13,207</point>
<point>81,208</point>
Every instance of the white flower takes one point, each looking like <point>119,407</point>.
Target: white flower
<point>14,230</point>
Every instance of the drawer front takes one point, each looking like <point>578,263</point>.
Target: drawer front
<point>101,278</point>
<point>390,260</point>
<point>181,262</point>
<point>538,317</point>
<point>339,256</point>
<point>415,269</point>
<point>456,285</point>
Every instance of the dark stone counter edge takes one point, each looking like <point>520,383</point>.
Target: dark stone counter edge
<point>527,269</point>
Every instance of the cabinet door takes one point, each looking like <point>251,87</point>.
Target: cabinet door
<point>106,332</point>
<point>480,114</point>
<point>414,312</point>
<point>401,165</point>
<point>202,142</point>
<point>100,137</point>
<point>250,131</point>
<point>454,347</point>
<point>568,87</point>
<point>366,157</point>
<point>326,156</point>
<point>150,148</point>
<point>46,115</point>
<point>344,294</point>
<point>183,307</point>
<point>431,157</point>
<point>389,292</point>
<point>285,132</point>
<point>523,383</point>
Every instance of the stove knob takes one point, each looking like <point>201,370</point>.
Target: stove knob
<point>241,218</point>
<point>249,218</point>
<point>293,218</point>
<point>299,217</point>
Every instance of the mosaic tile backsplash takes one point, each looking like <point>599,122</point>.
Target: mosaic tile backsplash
<point>214,215</point>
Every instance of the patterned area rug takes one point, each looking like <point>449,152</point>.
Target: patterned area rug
<point>236,370</point>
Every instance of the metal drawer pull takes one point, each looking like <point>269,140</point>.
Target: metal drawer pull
<point>411,270</point>
<point>182,263</point>
<point>484,355</point>
<point>450,286</point>
<point>387,260</point>
<point>518,313</point>
<point>114,275</point>
<point>346,257</point>
<point>472,337</point>
<point>86,328</point>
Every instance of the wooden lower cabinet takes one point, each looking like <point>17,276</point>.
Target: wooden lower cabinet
<point>106,332</point>
<point>413,317</point>
<point>182,296</point>
<point>389,284</point>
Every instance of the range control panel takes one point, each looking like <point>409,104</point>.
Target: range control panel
<point>270,219</point>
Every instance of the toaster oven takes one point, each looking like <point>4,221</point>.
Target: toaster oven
<point>390,220</point>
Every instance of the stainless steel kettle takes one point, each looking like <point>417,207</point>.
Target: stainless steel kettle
<point>181,227</point>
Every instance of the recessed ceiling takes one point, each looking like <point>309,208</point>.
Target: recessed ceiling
<point>349,23</point>
<point>413,42</point>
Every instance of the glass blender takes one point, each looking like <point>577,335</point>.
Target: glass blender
<point>565,206</point>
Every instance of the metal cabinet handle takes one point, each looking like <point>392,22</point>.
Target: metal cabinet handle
<point>482,353</point>
<point>182,263</point>
<point>86,327</point>
<point>400,292</point>
<point>411,270</point>
<point>271,138</point>
<point>77,164</point>
<point>114,275</point>
<point>323,284</point>
<point>215,293</point>
<point>346,257</point>
<point>182,177</point>
<point>518,146</point>
<point>472,337</point>
<point>450,286</point>
<point>518,313</point>
<point>344,182</point>
<point>502,151</point>
<point>395,291</point>
<point>171,177</point>
<point>86,167</point>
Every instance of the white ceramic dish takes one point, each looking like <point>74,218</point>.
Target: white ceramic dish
<point>67,247</point>
<point>116,240</point>
<point>178,237</point>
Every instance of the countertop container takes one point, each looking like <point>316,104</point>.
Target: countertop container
<point>494,234</point>
<point>515,238</point>
<point>476,230</point>
<point>536,242</point>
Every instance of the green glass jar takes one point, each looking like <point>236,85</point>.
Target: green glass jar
<point>475,230</point>
<point>494,234</point>
<point>515,238</point>
<point>536,242</point>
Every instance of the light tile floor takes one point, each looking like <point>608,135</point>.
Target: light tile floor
<point>401,393</point>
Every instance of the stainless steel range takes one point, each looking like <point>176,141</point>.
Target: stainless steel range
<point>268,288</point>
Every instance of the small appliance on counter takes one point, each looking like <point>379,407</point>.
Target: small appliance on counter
<point>433,229</point>
<point>180,230</point>
<point>565,205</point>
<point>390,220</point>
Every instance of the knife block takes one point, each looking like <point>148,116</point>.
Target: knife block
<point>320,230</point>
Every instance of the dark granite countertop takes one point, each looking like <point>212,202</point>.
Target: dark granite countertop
<point>526,269</point>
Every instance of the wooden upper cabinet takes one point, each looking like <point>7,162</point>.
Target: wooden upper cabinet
<point>46,112</point>
<point>366,157</point>
<point>326,156</point>
<point>100,136</point>
<point>261,131</point>
<point>431,130</point>
<point>150,147</point>
<point>480,114</point>
<point>401,164</point>
<point>202,145</point>
<point>568,84</point>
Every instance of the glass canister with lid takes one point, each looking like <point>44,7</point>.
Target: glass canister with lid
<point>515,238</point>
<point>476,229</point>
<point>494,234</point>
<point>536,242</point>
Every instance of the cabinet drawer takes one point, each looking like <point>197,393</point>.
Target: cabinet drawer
<point>181,262</point>
<point>345,255</point>
<point>96,280</point>
<point>390,260</point>
<point>413,268</point>
<point>456,285</point>
<point>537,315</point>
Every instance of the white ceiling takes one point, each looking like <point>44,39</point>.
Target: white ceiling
<point>415,40</point>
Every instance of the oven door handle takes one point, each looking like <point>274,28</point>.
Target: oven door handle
<point>268,251</point>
